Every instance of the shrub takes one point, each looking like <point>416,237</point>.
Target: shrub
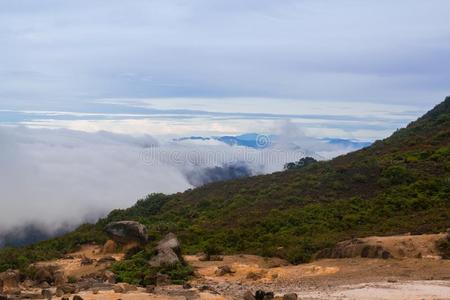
<point>444,247</point>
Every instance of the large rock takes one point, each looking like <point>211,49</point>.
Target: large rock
<point>59,278</point>
<point>9,282</point>
<point>109,277</point>
<point>126,232</point>
<point>169,241</point>
<point>168,252</point>
<point>43,275</point>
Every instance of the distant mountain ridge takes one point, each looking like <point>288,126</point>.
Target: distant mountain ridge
<point>261,141</point>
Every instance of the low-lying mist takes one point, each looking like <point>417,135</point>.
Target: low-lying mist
<point>55,179</point>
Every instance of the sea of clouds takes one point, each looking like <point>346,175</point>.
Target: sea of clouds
<point>59,178</point>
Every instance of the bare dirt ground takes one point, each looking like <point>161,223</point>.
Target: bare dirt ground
<point>408,277</point>
<point>72,264</point>
<point>356,278</point>
<point>411,246</point>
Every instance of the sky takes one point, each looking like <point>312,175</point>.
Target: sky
<point>59,52</point>
<point>87,86</point>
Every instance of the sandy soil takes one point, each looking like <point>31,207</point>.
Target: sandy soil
<point>356,278</point>
<point>409,246</point>
<point>73,267</point>
<point>408,277</point>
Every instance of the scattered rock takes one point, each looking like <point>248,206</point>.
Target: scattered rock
<point>290,296</point>
<point>208,288</point>
<point>150,289</point>
<point>106,260</point>
<point>126,232</point>
<point>205,257</point>
<point>109,277</point>
<point>261,295</point>
<point>85,284</point>
<point>223,270</point>
<point>44,285</point>
<point>43,275</point>
<point>65,298</point>
<point>162,279</point>
<point>59,292</point>
<point>47,294</point>
<point>9,282</point>
<point>31,296</point>
<point>165,257</point>
<point>187,286</point>
<point>170,241</point>
<point>248,295</point>
<point>68,288</point>
<point>118,289</point>
<point>124,288</point>
<point>254,276</point>
<point>216,258</point>
<point>77,297</point>
<point>385,254</point>
<point>85,261</point>
<point>95,291</point>
<point>109,247</point>
<point>168,252</point>
<point>59,278</point>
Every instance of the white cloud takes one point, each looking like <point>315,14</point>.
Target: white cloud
<point>60,176</point>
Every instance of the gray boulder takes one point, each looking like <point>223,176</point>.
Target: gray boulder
<point>126,232</point>
<point>168,252</point>
<point>9,282</point>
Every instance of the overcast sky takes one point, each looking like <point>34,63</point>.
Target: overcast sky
<point>115,76</point>
<point>70,52</point>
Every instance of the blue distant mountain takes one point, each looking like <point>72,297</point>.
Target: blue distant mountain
<point>347,143</point>
<point>257,141</point>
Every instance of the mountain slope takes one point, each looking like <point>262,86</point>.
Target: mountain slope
<point>397,185</point>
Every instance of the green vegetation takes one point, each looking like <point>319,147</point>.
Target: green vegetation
<point>444,247</point>
<point>303,162</point>
<point>135,269</point>
<point>398,185</point>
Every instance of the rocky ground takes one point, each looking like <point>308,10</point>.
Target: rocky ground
<point>412,270</point>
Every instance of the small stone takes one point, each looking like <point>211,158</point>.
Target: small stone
<point>109,277</point>
<point>69,288</point>
<point>59,292</point>
<point>290,296</point>
<point>223,270</point>
<point>118,289</point>
<point>162,279</point>
<point>85,261</point>
<point>47,294</point>
<point>44,285</point>
<point>253,276</point>
<point>77,297</point>
<point>248,295</point>
<point>187,286</point>
<point>150,289</point>
<point>95,291</point>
